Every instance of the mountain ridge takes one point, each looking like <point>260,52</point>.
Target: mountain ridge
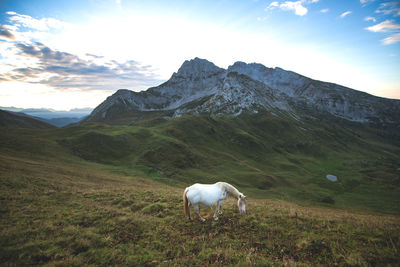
<point>59,118</point>
<point>247,87</point>
<point>20,120</point>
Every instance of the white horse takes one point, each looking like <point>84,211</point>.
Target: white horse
<point>209,194</point>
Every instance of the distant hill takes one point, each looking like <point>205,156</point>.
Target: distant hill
<point>54,117</point>
<point>61,122</point>
<point>18,120</point>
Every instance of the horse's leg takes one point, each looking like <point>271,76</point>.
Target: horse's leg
<point>190,217</point>
<point>196,209</point>
<point>217,210</point>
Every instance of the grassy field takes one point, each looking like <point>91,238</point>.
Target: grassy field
<point>60,210</point>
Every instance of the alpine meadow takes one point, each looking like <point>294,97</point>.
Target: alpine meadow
<point>107,190</point>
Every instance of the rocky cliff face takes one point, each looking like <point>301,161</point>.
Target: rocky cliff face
<point>201,87</point>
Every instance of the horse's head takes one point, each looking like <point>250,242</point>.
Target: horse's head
<point>242,204</point>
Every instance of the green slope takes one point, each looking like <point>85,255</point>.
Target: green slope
<point>270,156</point>
<point>58,209</point>
<point>20,120</point>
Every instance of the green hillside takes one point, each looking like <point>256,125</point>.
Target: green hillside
<point>270,156</point>
<point>20,120</point>
<point>60,210</point>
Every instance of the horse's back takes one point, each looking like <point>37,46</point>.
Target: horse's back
<point>206,194</point>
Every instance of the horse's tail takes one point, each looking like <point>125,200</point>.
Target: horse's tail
<point>186,204</point>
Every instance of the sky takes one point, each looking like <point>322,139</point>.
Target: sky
<point>69,54</point>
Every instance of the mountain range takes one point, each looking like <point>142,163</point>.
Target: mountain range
<point>57,118</point>
<point>200,87</point>
<point>21,120</point>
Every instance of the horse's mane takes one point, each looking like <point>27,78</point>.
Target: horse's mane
<point>230,188</point>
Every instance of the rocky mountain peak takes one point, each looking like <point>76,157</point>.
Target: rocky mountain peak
<point>284,81</point>
<point>199,86</point>
<point>250,69</point>
<point>197,67</point>
<point>122,92</point>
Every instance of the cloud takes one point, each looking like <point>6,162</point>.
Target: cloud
<point>94,56</point>
<point>395,38</point>
<point>344,14</point>
<point>5,33</point>
<point>297,7</point>
<point>63,70</point>
<point>370,19</point>
<point>272,5</point>
<point>325,10</point>
<point>43,24</point>
<point>389,8</point>
<point>32,62</point>
<point>366,1</point>
<point>386,26</point>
